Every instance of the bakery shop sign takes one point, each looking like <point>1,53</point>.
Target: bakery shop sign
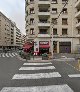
<point>44,42</point>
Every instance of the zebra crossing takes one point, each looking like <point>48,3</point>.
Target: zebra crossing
<point>8,55</point>
<point>36,76</point>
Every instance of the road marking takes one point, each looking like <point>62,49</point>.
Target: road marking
<point>74,76</point>
<point>3,55</point>
<point>6,55</point>
<point>10,55</point>
<point>72,66</point>
<point>13,54</point>
<point>37,63</point>
<point>16,54</point>
<point>36,76</point>
<point>53,88</point>
<point>37,68</point>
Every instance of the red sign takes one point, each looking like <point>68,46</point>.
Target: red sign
<point>44,42</point>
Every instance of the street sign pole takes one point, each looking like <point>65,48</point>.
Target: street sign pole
<point>52,42</point>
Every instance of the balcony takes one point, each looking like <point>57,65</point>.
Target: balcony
<point>78,25</point>
<point>47,13</point>
<point>44,24</point>
<point>77,4</point>
<point>77,14</point>
<point>31,36</point>
<point>78,35</point>
<point>44,2</point>
<point>43,35</point>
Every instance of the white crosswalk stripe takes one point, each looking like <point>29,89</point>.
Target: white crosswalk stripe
<point>37,68</point>
<point>8,55</point>
<point>53,88</point>
<point>36,76</point>
<point>37,63</point>
<point>16,54</point>
<point>13,54</point>
<point>3,55</point>
<point>74,75</point>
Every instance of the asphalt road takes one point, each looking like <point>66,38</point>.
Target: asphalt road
<point>55,76</point>
<point>8,67</point>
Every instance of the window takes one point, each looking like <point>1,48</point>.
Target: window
<point>54,1</point>
<point>26,13</point>
<point>32,21</point>
<point>64,31</point>
<point>31,1</point>
<point>54,21</point>
<point>31,10</point>
<point>55,31</point>
<point>64,10</point>
<point>78,20</point>
<point>64,1</point>
<point>54,10</point>
<point>64,21</point>
<point>78,31</point>
<point>43,20</point>
<point>43,31</point>
<point>32,31</point>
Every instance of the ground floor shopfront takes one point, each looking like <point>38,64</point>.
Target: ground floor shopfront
<point>60,45</point>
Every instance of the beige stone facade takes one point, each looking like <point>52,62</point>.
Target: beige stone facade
<point>10,35</point>
<point>23,39</point>
<point>42,14</point>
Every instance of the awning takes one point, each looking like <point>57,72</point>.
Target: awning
<point>44,46</point>
<point>27,47</point>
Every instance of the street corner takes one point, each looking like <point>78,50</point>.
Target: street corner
<point>19,58</point>
<point>75,64</point>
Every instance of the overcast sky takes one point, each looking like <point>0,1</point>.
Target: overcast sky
<point>15,10</point>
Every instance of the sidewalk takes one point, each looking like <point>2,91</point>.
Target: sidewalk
<point>35,59</point>
<point>38,59</point>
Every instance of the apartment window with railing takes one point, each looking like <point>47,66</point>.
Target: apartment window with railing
<point>54,21</point>
<point>31,21</point>
<point>78,31</point>
<point>54,10</point>
<point>64,21</point>
<point>64,31</point>
<point>31,31</point>
<point>26,13</point>
<point>31,1</point>
<point>54,1</point>
<point>64,1</point>
<point>43,21</point>
<point>44,10</point>
<point>78,20</point>
<point>78,10</point>
<point>64,11</point>
<point>31,10</point>
<point>54,31</point>
<point>43,31</point>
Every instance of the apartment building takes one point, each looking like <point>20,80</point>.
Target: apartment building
<point>77,16</point>
<point>42,25</point>
<point>8,33</point>
<point>23,39</point>
<point>17,37</point>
